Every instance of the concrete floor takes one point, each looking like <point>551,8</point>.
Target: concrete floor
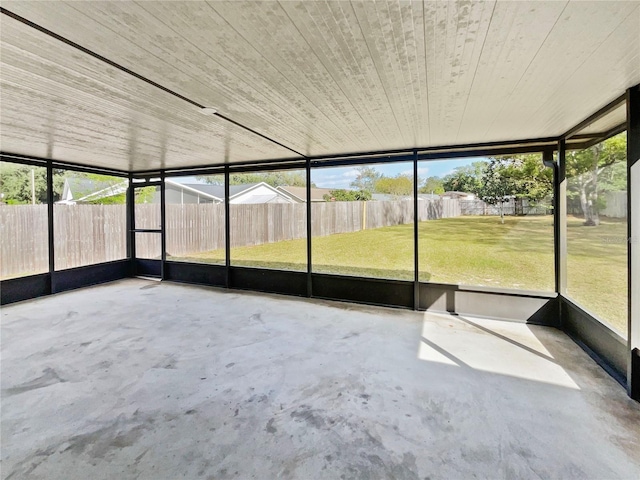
<point>142,380</point>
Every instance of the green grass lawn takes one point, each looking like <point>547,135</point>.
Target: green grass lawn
<point>469,251</point>
<point>597,269</point>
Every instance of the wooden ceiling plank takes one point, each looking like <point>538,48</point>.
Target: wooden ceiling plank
<point>219,47</point>
<point>344,67</point>
<point>104,108</point>
<point>376,30</point>
<point>320,77</point>
<point>124,31</point>
<point>588,24</point>
<point>516,32</point>
<point>583,82</point>
<point>294,55</point>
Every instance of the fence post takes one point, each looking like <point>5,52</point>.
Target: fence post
<point>364,215</point>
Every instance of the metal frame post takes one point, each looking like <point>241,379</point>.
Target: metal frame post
<point>129,217</point>
<point>633,241</point>
<point>560,220</point>
<point>50,233</point>
<point>309,233</point>
<point>163,236</point>
<point>416,259</point>
<point>227,228</point>
<point>131,225</point>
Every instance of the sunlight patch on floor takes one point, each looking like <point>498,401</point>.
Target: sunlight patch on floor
<point>495,346</point>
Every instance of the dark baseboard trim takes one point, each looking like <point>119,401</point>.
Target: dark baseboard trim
<point>34,286</point>
<point>605,346</point>
<point>24,288</point>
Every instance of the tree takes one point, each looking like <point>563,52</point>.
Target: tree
<point>585,168</point>
<point>16,185</point>
<point>366,179</point>
<point>433,185</point>
<point>399,185</point>
<point>342,195</point>
<point>275,179</point>
<point>467,178</point>
<point>532,180</point>
<point>498,184</point>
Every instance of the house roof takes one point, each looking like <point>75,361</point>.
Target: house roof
<point>218,190</point>
<point>263,198</point>
<point>300,193</point>
<point>82,189</point>
<point>235,191</point>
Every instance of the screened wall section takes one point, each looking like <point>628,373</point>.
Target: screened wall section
<point>484,221</point>
<point>195,219</point>
<point>24,246</point>
<point>362,221</point>
<point>89,218</point>
<point>147,215</point>
<point>597,238</point>
<point>268,220</point>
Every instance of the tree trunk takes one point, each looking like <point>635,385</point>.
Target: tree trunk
<point>589,207</point>
<point>585,205</point>
<point>502,212</point>
<point>595,216</point>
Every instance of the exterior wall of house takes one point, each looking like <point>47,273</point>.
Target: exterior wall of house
<point>261,194</point>
<point>175,195</point>
<point>180,196</point>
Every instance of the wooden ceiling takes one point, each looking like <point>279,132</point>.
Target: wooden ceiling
<point>301,78</point>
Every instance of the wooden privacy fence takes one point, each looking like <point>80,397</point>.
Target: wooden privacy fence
<point>89,234</point>
<point>510,207</point>
<point>194,228</point>
<point>615,205</point>
<point>83,235</point>
<point>24,249</point>
<point>255,224</point>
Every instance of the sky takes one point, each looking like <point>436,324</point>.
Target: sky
<point>341,177</point>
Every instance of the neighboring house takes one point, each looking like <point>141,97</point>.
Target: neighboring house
<point>182,193</point>
<point>257,193</point>
<point>185,193</point>
<point>299,194</point>
<point>458,195</point>
<point>85,190</point>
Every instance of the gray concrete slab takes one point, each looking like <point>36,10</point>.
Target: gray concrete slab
<point>143,380</point>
